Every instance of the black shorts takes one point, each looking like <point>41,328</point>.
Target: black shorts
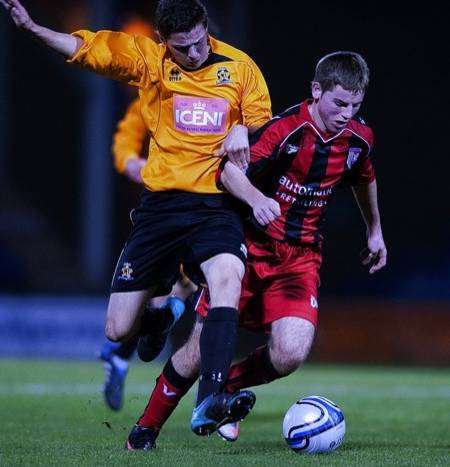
<point>174,227</point>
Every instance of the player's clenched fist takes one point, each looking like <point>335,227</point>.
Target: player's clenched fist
<point>133,169</point>
<point>18,14</point>
<point>236,147</point>
<point>265,210</point>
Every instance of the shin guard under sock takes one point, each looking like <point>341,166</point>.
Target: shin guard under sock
<point>217,347</point>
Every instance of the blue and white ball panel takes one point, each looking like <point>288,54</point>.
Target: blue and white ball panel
<point>314,424</point>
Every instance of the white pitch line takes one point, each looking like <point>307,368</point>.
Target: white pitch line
<point>360,392</point>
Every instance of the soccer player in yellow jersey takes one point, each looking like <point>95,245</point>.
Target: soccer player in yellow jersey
<point>199,96</point>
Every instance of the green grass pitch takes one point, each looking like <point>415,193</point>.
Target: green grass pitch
<point>52,413</point>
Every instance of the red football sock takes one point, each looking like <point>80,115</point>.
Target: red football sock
<point>256,369</point>
<point>169,390</point>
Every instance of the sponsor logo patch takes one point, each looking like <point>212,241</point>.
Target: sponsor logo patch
<point>353,156</point>
<point>314,302</point>
<point>223,76</point>
<point>126,273</point>
<point>200,114</point>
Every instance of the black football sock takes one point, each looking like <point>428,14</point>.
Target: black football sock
<point>155,319</point>
<point>126,349</point>
<point>217,347</point>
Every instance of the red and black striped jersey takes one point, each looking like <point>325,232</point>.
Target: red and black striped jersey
<point>295,163</point>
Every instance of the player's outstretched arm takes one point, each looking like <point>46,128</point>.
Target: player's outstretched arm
<point>65,44</point>
<point>375,254</point>
<point>265,209</point>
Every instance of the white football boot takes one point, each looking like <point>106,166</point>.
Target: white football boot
<point>229,432</point>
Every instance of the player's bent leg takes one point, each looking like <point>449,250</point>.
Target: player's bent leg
<point>177,377</point>
<point>116,355</point>
<point>289,345</point>
<point>122,321</point>
<point>215,408</point>
<point>290,341</point>
<point>124,312</point>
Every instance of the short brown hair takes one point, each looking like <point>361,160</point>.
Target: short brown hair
<point>347,69</point>
<point>174,16</point>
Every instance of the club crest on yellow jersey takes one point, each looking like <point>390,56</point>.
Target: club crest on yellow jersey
<point>223,76</point>
<point>175,75</point>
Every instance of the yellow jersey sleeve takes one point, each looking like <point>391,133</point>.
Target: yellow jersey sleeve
<point>256,105</point>
<point>129,139</point>
<point>116,55</point>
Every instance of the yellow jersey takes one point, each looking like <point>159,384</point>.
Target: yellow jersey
<point>187,112</point>
<point>130,137</point>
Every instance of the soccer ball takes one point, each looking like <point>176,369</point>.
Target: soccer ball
<point>314,424</point>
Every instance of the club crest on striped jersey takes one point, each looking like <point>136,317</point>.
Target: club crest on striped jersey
<point>353,156</point>
<point>291,149</point>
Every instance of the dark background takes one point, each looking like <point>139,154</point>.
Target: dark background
<point>64,211</point>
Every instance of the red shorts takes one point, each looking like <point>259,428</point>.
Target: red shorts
<point>280,280</point>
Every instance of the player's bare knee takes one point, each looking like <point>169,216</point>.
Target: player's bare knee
<point>290,343</point>
<point>117,330</point>
<point>224,275</point>
<point>112,332</point>
<point>225,289</point>
<point>286,359</point>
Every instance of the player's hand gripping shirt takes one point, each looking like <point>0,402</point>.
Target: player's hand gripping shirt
<point>188,113</point>
<point>295,163</point>
<point>130,138</point>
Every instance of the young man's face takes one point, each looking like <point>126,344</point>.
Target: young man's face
<point>335,107</point>
<point>189,49</point>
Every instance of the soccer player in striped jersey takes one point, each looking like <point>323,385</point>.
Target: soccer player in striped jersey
<point>297,161</point>
<point>199,96</point>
